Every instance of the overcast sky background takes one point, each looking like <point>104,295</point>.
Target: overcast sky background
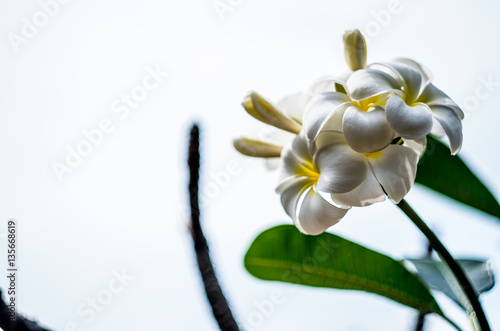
<point>122,208</point>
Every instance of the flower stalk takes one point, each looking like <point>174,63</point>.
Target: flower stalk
<point>458,272</point>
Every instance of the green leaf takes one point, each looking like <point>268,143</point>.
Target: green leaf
<point>284,254</point>
<point>449,175</point>
<point>437,276</point>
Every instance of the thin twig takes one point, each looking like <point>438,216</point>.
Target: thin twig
<point>19,324</point>
<point>218,302</point>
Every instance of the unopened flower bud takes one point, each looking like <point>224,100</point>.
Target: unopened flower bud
<point>355,49</point>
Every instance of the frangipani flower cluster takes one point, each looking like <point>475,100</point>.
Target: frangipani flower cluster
<point>356,137</point>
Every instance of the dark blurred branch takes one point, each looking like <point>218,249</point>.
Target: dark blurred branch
<point>218,302</point>
<point>20,323</point>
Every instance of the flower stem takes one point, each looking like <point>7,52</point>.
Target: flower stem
<point>459,273</point>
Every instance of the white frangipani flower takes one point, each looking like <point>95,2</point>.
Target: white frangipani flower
<point>380,102</point>
<point>423,108</point>
<point>353,139</point>
<point>359,113</point>
<point>300,176</point>
<point>322,180</point>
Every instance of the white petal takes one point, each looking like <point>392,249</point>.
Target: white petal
<point>395,168</point>
<point>368,193</point>
<point>276,136</point>
<point>437,129</point>
<point>341,169</point>
<point>294,105</point>
<point>367,131</point>
<point>315,214</point>
<point>432,96</point>
<point>451,124</point>
<point>406,76</point>
<point>303,148</point>
<point>273,163</point>
<point>334,123</point>
<point>256,148</point>
<point>424,71</point>
<point>290,190</point>
<point>293,165</point>
<point>366,83</point>
<point>323,85</point>
<point>409,122</point>
<point>330,84</point>
<point>319,111</point>
<point>262,110</point>
<point>329,138</point>
<point>418,145</point>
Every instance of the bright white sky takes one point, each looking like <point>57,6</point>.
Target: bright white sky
<point>121,209</point>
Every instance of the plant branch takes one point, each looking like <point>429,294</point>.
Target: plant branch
<point>19,324</point>
<point>459,273</point>
<point>215,296</point>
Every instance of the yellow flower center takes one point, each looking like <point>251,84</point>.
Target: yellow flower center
<point>374,155</point>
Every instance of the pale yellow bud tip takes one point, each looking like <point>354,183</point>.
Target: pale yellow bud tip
<point>355,49</point>
<point>256,148</point>
<point>262,110</point>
